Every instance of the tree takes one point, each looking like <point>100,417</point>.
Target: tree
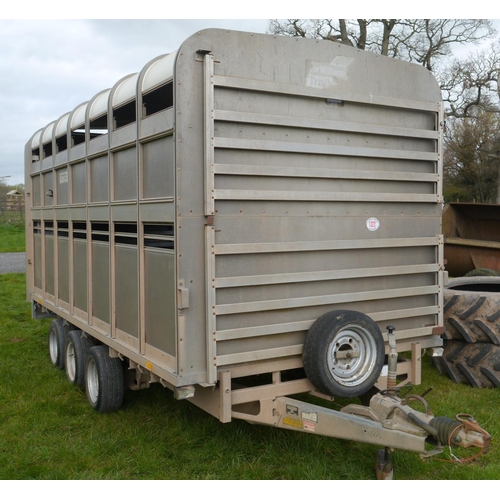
<point>472,83</point>
<point>471,89</point>
<point>4,189</point>
<point>470,86</point>
<point>423,41</point>
<point>471,158</point>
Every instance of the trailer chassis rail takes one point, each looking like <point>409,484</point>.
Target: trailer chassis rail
<point>388,422</point>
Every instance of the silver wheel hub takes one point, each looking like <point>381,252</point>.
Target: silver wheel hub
<point>53,346</point>
<point>352,355</point>
<point>70,361</point>
<point>92,381</point>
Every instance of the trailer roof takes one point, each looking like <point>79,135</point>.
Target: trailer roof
<point>155,73</point>
<point>379,70</point>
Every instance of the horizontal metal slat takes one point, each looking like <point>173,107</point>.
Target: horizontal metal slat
<point>306,246</point>
<point>405,313</point>
<point>294,147</point>
<point>322,173</point>
<point>296,350</point>
<point>298,326</point>
<point>258,331</point>
<point>310,123</point>
<point>245,357</point>
<point>296,90</point>
<point>341,298</point>
<point>236,194</point>
<point>272,279</point>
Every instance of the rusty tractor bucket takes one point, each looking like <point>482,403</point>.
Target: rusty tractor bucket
<point>472,238</point>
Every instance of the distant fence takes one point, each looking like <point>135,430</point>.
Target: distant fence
<point>11,212</point>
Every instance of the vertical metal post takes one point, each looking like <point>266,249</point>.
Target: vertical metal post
<point>416,363</point>
<point>209,204</point>
<point>210,303</point>
<point>225,397</point>
<point>439,169</point>
<point>208,84</point>
<point>28,217</point>
<point>440,260</point>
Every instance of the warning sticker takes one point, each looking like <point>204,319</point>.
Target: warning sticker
<point>293,422</point>
<point>309,415</point>
<point>292,410</point>
<point>309,426</point>
<point>372,224</point>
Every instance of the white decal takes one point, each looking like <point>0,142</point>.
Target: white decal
<point>372,224</point>
<point>312,416</point>
<point>63,177</point>
<point>322,75</point>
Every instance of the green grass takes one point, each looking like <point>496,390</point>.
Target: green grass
<point>48,430</point>
<point>12,236</point>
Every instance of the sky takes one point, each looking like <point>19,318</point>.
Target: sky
<point>50,66</point>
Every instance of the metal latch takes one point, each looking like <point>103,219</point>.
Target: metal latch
<point>182,296</point>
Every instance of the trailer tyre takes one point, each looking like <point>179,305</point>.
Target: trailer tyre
<point>344,353</point>
<point>57,343</point>
<point>104,381</point>
<point>77,349</point>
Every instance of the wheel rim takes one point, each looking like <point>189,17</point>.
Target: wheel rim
<point>70,361</point>
<point>92,381</point>
<point>352,355</point>
<point>53,348</point>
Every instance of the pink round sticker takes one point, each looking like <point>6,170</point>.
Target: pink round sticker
<point>372,224</point>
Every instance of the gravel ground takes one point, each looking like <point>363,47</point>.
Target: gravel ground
<point>12,262</point>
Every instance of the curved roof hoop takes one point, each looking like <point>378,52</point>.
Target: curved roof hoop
<point>61,126</point>
<point>124,90</point>
<point>98,105</point>
<point>77,117</point>
<point>157,72</point>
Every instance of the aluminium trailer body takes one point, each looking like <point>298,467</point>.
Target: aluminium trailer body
<point>201,215</point>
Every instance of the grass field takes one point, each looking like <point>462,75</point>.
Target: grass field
<point>48,430</point>
<point>12,236</point>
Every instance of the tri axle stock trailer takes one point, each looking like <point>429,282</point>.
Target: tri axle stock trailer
<point>249,218</point>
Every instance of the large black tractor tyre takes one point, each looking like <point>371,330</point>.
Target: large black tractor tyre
<point>472,310</point>
<point>344,353</point>
<point>482,271</point>
<point>476,364</point>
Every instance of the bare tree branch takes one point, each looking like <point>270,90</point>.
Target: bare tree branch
<point>472,83</point>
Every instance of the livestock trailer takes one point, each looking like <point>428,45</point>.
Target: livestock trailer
<point>240,221</point>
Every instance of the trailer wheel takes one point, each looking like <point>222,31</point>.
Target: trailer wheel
<point>57,343</point>
<point>77,348</point>
<point>344,353</point>
<point>104,381</point>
